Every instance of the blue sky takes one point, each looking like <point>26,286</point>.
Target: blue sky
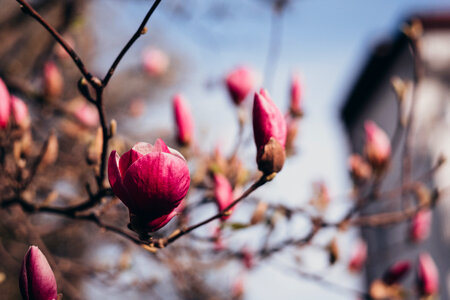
<point>326,40</point>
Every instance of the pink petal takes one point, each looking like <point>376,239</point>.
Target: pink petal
<point>160,146</point>
<point>268,121</point>
<point>5,105</point>
<point>158,223</point>
<point>115,180</point>
<point>157,182</point>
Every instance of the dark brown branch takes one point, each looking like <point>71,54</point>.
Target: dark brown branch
<point>180,232</point>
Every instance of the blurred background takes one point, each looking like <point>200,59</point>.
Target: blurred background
<point>329,43</point>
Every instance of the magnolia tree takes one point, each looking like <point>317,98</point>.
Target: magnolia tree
<point>151,195</point>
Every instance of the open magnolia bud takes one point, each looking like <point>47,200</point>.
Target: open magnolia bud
<point>151,180</point>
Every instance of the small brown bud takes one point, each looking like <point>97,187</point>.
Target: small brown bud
<point>144,30</point>
<point>271,157</point>
<point>333,251</point>
<point>401,87</point>
<point>83,87</point>
<point>51,150</point>
<point>112,128</point>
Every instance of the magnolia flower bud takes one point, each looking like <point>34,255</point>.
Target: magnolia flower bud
<point>396,272</point>
<point>427,275</point>
<point>269,129</point>
<point>20,113</point>
<point>247,258</point>
<point>151,180</point>
<point>223,194</point>
<point>5,105</point>
<point>87,114</point>
<point>358,256</point>
<point>420,225</point>
<point>155,61</point>
<point>37,281</point>
<point>53,81</point>
<point>359,169</point>
<point>183,119</point>
<point>378,146</point>
<point>296,96</point>
<point>51,151</point>
<point>239,83</point>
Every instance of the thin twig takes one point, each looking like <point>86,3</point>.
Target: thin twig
<point>140,31</point>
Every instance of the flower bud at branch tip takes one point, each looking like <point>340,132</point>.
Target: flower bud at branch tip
<point>84,88</point>
<point>377,147</point>
<point>37,281</point>
<point>223,193</point>
<point>183,120</point>
<point>270,131</point>
<point>239,83</point>
<point>427,275</point>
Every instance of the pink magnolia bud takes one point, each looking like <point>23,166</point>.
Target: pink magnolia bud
<point>223,194</point>
<point>183,119</point>
<point>151,181</point>
<point>397,272</point>
<point>247,258</point>
<point>87,114</point>
<point>20,113</point>
<point>5,105</point>
<point>269,129</point>
<point>378,145</point>
<point>359,169</point>
<point>36,280</point>
<point>53,81</point>
<point>420,225</point>
<point>296,95</point>
<point>427,275</point>
<point>239,83</point>
<point>155,61</point>
<point>358,256</point>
